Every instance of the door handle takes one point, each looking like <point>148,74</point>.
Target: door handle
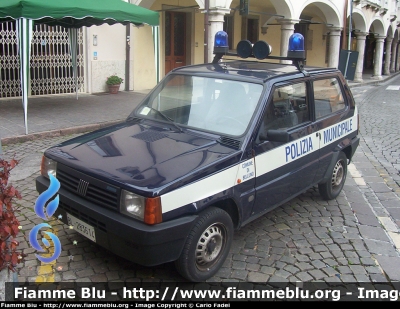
<point>178,61</point>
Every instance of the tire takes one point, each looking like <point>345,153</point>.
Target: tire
<point>330,190</point>
<point>207,245</point>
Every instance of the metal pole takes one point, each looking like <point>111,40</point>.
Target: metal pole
<point>127,55</point>
<point>344,41</point>
<point>1,150</point>
<point>206,21</point>
<point>349,41</point>
<point>350,24</point>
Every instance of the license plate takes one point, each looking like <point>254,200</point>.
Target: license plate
<point>82,227</point>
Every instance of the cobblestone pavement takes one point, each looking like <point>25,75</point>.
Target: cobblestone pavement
<point>354,238</point>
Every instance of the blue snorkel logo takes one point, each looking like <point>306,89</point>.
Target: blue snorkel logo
<point>45,213</point>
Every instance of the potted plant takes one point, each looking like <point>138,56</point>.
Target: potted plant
<point>113,82</point>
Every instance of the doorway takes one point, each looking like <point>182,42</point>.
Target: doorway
<point>175,40</point>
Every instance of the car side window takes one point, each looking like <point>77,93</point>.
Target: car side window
<point>288,108</point>
<point>328,97</point>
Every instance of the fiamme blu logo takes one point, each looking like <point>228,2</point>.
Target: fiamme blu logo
<point>45,213</point>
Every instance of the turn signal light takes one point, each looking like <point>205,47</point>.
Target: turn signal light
<point>153,211</point>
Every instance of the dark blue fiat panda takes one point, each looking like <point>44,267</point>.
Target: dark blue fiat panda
<point>210,148</point>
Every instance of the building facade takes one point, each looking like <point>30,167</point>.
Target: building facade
<point>143,55</point>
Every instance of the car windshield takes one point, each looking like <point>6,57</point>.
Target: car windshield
<point>217,105</point>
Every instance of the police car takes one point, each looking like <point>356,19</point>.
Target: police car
<point>210,148</point>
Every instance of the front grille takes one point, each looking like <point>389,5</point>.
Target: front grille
<point>82,187</point>
<point>90,189</point>
<point>83,217</point>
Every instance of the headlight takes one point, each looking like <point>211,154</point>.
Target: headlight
<point>147,210</point>
<point>132,204</point>
<point>48,166</point>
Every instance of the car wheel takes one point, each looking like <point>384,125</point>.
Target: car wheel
<point>207,245</point>
<point>331,189</point>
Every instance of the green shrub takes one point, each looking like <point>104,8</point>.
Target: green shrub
<point>114,80</point>
<point>9,225</point>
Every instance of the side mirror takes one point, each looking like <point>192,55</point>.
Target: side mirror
<point>275,136</point>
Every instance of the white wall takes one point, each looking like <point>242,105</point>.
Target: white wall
<point>142,54</point>
<point>110,51</point>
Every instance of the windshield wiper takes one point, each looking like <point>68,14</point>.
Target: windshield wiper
<point>166,117</point>
<point>133,118</point>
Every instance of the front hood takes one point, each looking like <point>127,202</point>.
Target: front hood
<point>142,156</point>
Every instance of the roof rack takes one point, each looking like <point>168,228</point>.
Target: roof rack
<point>261,50</point>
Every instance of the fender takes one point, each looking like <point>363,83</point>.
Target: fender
<point>335,156</point>
<point>354,145</point>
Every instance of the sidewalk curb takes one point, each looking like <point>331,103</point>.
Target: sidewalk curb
<point>53,133</point>
<point>374,82</point>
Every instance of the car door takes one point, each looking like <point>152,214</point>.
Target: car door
<point>286,147</point>
<point>332,120</point>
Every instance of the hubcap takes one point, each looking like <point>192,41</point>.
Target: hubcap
<point>209,245</point>
<point>338,174</point>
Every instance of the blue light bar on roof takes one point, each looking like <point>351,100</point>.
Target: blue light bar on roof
<point>221,42</point>
<point>296,46</point>
<point>221,39</point>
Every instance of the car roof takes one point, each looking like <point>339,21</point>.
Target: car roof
<point>243,69</point>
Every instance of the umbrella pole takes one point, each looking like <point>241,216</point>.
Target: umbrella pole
<point>26,114</point>
<point>73,44</point>
<point>24,34</point>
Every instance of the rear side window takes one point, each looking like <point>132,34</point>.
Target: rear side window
<point>328,97</point>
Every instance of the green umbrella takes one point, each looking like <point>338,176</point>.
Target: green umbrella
<point>72,14</point>
<point>77,13</point>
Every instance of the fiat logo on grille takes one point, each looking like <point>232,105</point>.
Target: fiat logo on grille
<point>82,187</point>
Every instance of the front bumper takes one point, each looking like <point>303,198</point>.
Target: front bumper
<point>138,242</point>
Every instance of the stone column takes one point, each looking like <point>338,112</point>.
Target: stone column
<point>378,57</point>
<point>398,57</point>
<point>361,36</point>
<point>216,23</point>
<point>393,56</point>
<point>287,29</point>
<point>334,46</point>
<point>388,56</point>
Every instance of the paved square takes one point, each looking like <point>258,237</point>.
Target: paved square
<point>393,88</point>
